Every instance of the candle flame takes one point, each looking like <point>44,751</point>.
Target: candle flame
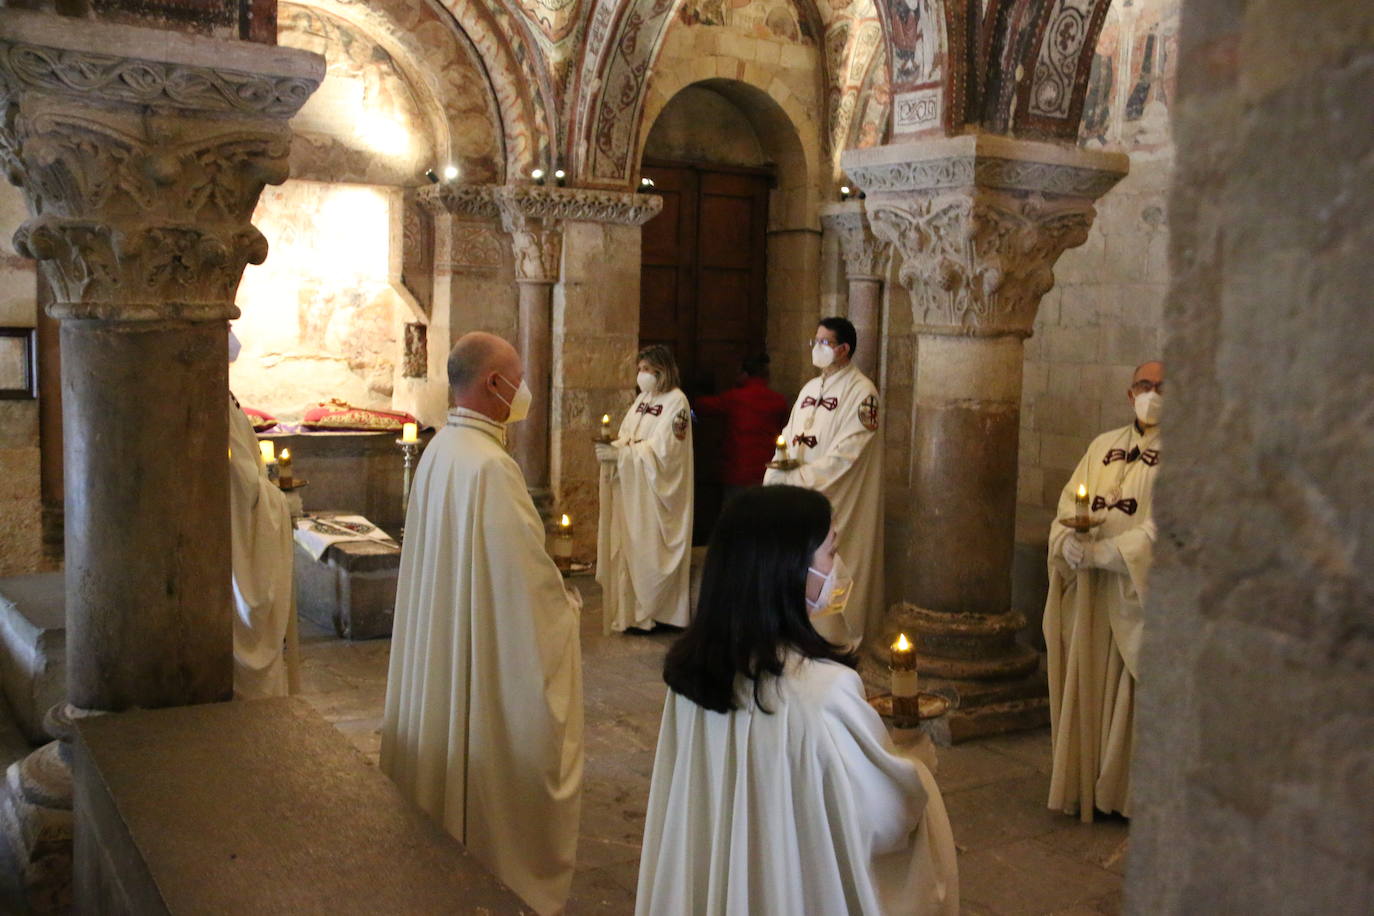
<point>781,441</point>
<point>902,644</point>
<point>605,419</point>
<point>286,454</point>
<point>1082,491</point>
<point>565,521</point>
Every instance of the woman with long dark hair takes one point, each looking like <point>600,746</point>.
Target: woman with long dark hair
<point>776,788</point>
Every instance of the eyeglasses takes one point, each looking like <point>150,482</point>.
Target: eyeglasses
<point>811,344</point>
<point>1140,386</point>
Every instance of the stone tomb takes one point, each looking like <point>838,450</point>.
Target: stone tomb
<point>350,589</point>
<point>255,807</point>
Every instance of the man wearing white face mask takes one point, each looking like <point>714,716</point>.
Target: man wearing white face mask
<point>482,727</point>
<point>644,538</point>
<point>1093,617</point>
<point>833,432</point>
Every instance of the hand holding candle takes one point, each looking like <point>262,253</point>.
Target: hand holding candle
<point>905,693</point>
<point>1080,503</point>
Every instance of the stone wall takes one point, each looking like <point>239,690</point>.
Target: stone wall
<point>1103,317</point>
<point>1254,763</point>
<point>677,133</point>
<point>20,500</point>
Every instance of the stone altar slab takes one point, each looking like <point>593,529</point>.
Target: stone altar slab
<point>255,807</point>
<point>350,589</point>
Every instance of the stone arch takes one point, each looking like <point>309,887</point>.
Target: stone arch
<point>608,122</point>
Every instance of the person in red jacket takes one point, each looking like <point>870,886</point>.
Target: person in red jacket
<point>754,415</point>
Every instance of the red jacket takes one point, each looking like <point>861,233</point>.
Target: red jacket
<point>754,415</point>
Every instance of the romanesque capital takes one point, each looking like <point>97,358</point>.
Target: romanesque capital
<point>863,252</point>
<point>467,201</point>
<point>979,222</point>
<point>142,166</point>
<point>534,216</point>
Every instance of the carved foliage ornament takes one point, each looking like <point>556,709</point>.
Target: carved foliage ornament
<point>140,212</point>
<point>985,172</point>
<point>863,252</point>
<point>979,262</point>
<point>147,82</point>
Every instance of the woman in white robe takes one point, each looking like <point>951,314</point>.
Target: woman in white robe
<point>776,788</point>
<point>644,537</point>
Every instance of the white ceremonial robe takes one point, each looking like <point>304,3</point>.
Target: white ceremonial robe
<point>807,810</point>
<point>261,555</point>
<point>833,431</point>
<point>644,536</point>
<point>1093,623</point>
<point>482,727</point>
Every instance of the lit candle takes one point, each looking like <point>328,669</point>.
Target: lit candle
<point>269,452</point>
<point>781,453</point>
<point>284,467</point>
<point>606,426</point>
<point>1080,503</point>
<point>563,541</point>
<point>905,694</point>
<point>410,433</point>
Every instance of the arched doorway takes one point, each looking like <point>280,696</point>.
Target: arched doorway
<point>726,160</point>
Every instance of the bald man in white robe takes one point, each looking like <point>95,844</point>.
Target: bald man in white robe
<point>1093,614</point>
<point>483,720</point>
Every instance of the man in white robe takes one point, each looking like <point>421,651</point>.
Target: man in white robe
<point>483,721</point>
<point>833,431</point>
<point>805,809</point>
<point>644,537</point>
<point>1093,618</point>
<point>260,534</point>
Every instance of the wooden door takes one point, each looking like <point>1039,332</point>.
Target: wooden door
<point>703,292</point>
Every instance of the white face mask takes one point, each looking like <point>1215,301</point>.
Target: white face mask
<point>520,404</point>
<point>835,588</point>
<point>1148,407</point>
<point>234,347</point>
<point>647,382</point>
<point>822,356</point>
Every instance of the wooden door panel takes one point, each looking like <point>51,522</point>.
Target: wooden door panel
<point>727,230</point>
<point>723,304</point>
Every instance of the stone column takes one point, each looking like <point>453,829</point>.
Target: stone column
<point>528,214</point>
<point>979,222</point>
<point>863,255</point>
<point>142,154</point>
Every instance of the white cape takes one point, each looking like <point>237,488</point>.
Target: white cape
<point>1093,626</point>
<point>261,549</point>
<point>807,810</point>
<point>483,721</point>
<point>845,463</point>
<point>644,536</point>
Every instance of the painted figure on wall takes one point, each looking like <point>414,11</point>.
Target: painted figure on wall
<point>915,42</point>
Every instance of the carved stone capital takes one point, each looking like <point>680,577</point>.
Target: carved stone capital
<point>979,223</point>
<point>141,171</point>
<point>554,203</point>
<point>863,252</point>
<point>471,201</point>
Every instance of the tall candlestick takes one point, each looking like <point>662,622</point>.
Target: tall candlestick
<point>905,692</point>
<point>1080,503</point>
<point>410,432</point>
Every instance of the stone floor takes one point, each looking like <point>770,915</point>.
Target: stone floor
<point>1015,856</point>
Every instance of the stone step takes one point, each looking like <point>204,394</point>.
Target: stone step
<point>33,648</point>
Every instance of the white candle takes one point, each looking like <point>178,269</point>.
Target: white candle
<point>563,540</point>
<point>1080,503</point>
<point>284,467</point>
<point>410,433</point>
<point>269,451</point>
<point>905,690</point>
<point>781,453</point>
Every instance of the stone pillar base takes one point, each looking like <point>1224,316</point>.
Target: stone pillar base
<point>963,645</point>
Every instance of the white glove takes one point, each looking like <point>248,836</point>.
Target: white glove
<point>1104,555</point>
<point>1073,551</point>
<point>605,451</point>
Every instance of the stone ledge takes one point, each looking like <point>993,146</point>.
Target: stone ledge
<point>253,807</point>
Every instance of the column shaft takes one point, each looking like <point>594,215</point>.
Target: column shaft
<point>147,536</point>
<point>536,352</point>
<point>865,313</point>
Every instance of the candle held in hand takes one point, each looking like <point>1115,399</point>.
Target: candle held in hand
<point>284,467</point>
<point>410,432</point>
<point>563,541</point>
<point>1080,503</point>
<point>781,453</point>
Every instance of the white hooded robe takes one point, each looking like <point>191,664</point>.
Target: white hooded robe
<point>807,810</point>
<point>261,549</point>
<point>482,727</point>
<point>833,431</point>
<point>1093,625</point>
<point>644,535</point>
